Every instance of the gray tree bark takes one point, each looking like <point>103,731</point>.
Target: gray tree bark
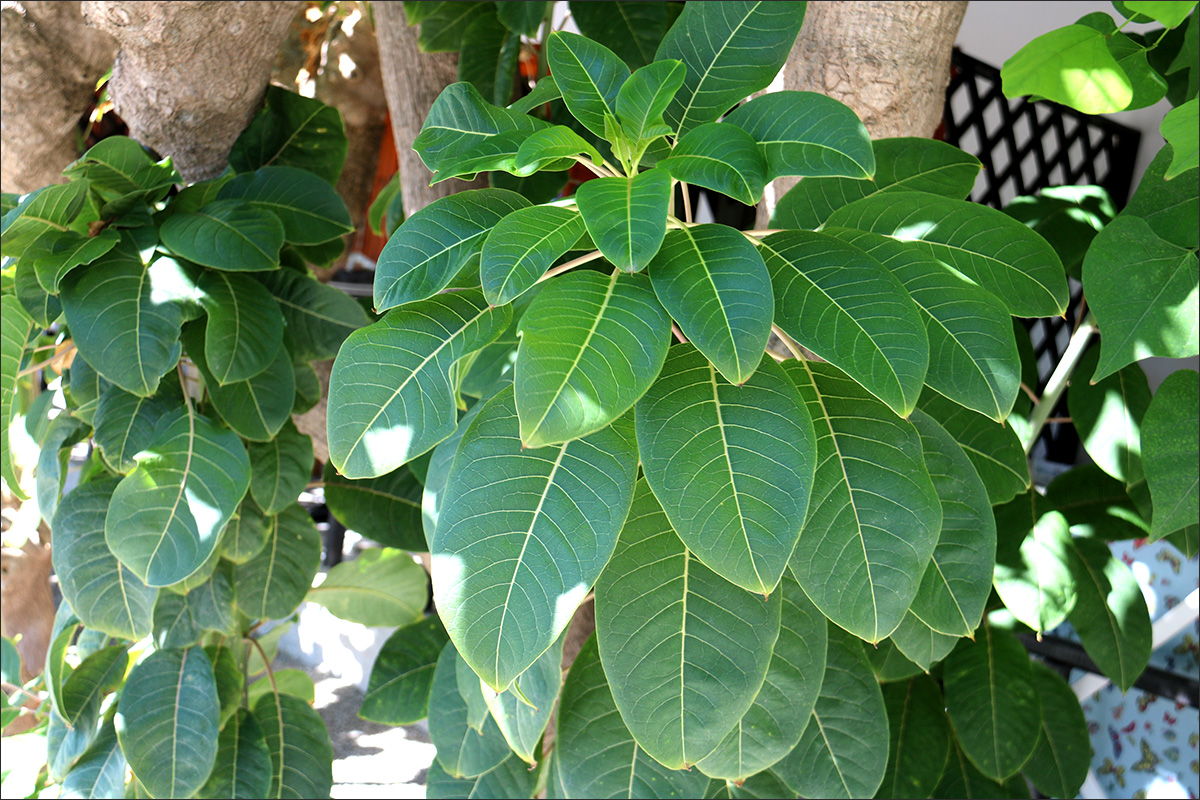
<point>49,64</point>
<point>191,73</point>
<point>412,80</point>
<point>889,60</point>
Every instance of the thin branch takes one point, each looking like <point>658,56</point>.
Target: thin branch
<point>1032,394</point>
<point>601,171</point>
<point>266,663</point>
<point>788,342</point>
<point>678,333</point>
<point>763,232</point>
<point>687,203</point>
<point>1059,380</point>
<point>1051,420</point>
<point>575,262</point>
<point>59,356</point>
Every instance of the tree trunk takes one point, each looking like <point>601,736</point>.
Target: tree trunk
<point>889,60</point>
<point>190,74</point>
<point>412,81</point>
<point>45,92</point>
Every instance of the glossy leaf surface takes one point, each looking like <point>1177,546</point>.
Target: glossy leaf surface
<point>589,75</point>
<point>298,743</point>
<point>382,587</point>
<point>627,217</point>
<point>1172,430</point>
<point>1110,614</point>
<point>919,738</point>
<point>386,509</point>
<point>245,326</point>
<point>402,676</point>
<point>523,246</point>
<point>807,134</point>
<point>271,584</point>
<point>721,157</point>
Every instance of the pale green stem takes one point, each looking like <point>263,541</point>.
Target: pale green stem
<point>1058,380</point>
<point>575,262</point>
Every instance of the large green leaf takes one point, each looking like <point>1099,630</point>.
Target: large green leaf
<point>123,173</point>
<point>596,755</point>
<point>731,465</point>
<point>731,50</point>
<point>685,651</point>
<point>994,449</point>
<point>292,131</point>
<point>1070,65</point>
<point>428,250</point>
<point>645,96</point>
<point>632,30</point>
<point>523,246</point>
<point>591,345</point>
<point>721,157</point>
<point>98,675</point>
<point>463,751</point>
<point>488,56</point>
<point>511,778</point>
<point>863,549</point>
<point>246,533</point>
<point>50,209</point>
<point>167,721</point>
<point>921,165</point>
<point>318,317</point>
<point>1034,575</point>
<point>310,210</point>
<point>522,719</point>
<point>1068,217</point>
<point>1110,614</point>
<point>125,317</point>
<point>433,494</point>
<point>714,283</point>
<point>807,134</point>
<point>167,515</point>
<point>844,749</point>
<point>63,433</point>
<point>507,580</point>
<point>973,356</point>
<point>125,425</point>
<point>920,643</point>
<point>180,620</point>
<point>271,584</point>
<point>955,586</point>
<point>402,676</point>
<point>846,307</point>
<point>382,587</point>
<point>391,394</point>
<point>1096,504</point>
<point>522,18</point>
<point>100,771</point>
<point>458,128</point>
<point>920,738</point>
<point>43,307</point>
<point>1108,416</point>
<point>1143,291</point>
<point>243,764</point>
<point>1171,207</point>
<point>386,509</point>
<point>280,468</point>
<point>245,326</point>
<point>229,235</point>
<point>890,663</point>
<point>15,330</point>
<point>992,701</point>
<point>550,148</point>
<point>1179,128</point>
<point>961,780</point>
<point>765,785</point>
<point>1172,431</point>
<point>104,594</point>
<point>988,246</point>
<point>590,76</point>
<point>627,217</point>
<point>772,726</point>
<point>1059,763</point>
<point>59,252</point>
<point>299,746</point>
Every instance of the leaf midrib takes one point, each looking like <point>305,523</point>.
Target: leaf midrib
<point>687,110</point>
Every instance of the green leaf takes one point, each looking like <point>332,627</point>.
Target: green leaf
<point>65,251</point>
<point>773,724</point>
<point>989,247</point>
<point>57,669</point>
<point>166,515</point>
<point>1143,291</point>
<point>280,468</point>
<point>666,626</point>
<point>243,764</point>
<point>904,163</point>
<point>100,771</point>
<point>920,643</point>
<point>271,584</point>
<point>589,75</point>
<point>49,209</point>
<point>309,208</point>
<point>117,166</point>
<point>443,28</point>
<point>766,785</point>
<point>402,676</point>
<point>1110,615</point>
<point>292,131</point>
<point>807,134</point>
<point>721,157</point>
<point>522,719</point>
<point>846,307</point>
<point>843,751</point>
<point>460,122</point>
<point>994,449</point>
<point>1171,432</point>
<point>862,553</point>
<point>167,721</point>
<point>488,56</point>
<point>463,751</point>
<point>1068,217</point>
<point>125,425</point>
<point>955,586</point>
<point>231,235</point>
<point>731,465</point>
<point>553,512</point>
<point>521,18</point>
<point>596,755</point>
<point>386,509</point>
<point>973,356</point>
<point>1108,416</point>
<point>632,30</point>
<point>227,673</point>
<point>1035,578</point>
<point>1147,85</point>
<point>44,308</point>
<point>962,780</point>
<point>299,746</point>
<point>591,345</point>
<point>377,213</point>
<point>318,317</point>
<point>63,433</point>
<point>83,391</point>
<point>432,245</point>
<point>730,50</point>
<point>125,317</point>
<point>497,152</point>
<point>1072,66</point>
<point>544,91</point>
<point>103,593</point>
<point>391,396</point>
<point>382,587</point>
<point>180,620</point>
<point>627,217</point>
<point>1098,505</point>
<point>100,674</point>
<point>442,458</point>
<point>510,778</point>
<point>245,326</point>
<point>547,147</point>
<point>920,738</point>
<point>1059,763</point>
<point>889,662</point>
<point>246,533</point>
<point>1170,15</point>
<point>16,327</point>
<point>294,682</point>
<point>992,701</point>
<point>1171,207</point>
<point>645,96</point>
<point>523,246</point>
